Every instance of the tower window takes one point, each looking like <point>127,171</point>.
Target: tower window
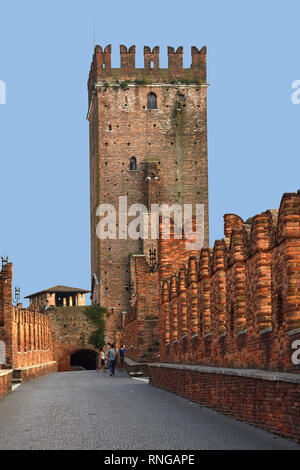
<point>132,165</point>
<point>152,101</point>
<point>181,97</point>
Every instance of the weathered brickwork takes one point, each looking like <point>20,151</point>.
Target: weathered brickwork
<point>34,371</point>
<point>26,334</point>
<point>237,305</point>
<point>169,144</point>
<point>142,322</point>
<point>5,382</point>
<point>273,405</point>
<point>32,341</point>
<point>6,312</point>
<point>71,329</point>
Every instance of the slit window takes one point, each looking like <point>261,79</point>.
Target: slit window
<point>132,165</point>
<point>152,101</point>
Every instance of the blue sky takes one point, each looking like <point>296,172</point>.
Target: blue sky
<point>45,53</point>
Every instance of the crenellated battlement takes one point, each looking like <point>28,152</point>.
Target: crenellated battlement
<point>151,58</point>
<point>26,333</point>
<point>101,69</point>
<point>241,298</point>
<point>242,240</point>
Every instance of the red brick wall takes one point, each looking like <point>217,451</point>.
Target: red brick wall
<point>238,305</point>
<point>26,334</point>
<point>6,333</point>
<point>35,371</point>
<point>273,405</point>
<point>32,340</point>
<point>71,329</point>
<point>5,382</point>
<point>142,325</point>
<point>142,322</point>
<point>174,135</point>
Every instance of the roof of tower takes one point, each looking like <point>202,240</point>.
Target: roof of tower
<point>59,289</point>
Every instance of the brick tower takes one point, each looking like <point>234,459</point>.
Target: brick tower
<point>148,141</point>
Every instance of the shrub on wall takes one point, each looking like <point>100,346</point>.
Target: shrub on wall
<point>95,313</point>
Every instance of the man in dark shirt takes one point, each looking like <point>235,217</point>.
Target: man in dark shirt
<point>122,355</point>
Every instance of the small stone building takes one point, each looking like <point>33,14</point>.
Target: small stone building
<point>58,296</point>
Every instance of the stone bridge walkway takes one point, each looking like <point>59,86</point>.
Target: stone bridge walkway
<point>86,410</point>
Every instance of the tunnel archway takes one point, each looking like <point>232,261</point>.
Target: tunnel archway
<point>84,358</point>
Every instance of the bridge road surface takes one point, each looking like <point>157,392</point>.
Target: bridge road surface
<point>90,410</point>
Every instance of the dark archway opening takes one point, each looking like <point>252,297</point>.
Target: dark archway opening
<point>84,358</point>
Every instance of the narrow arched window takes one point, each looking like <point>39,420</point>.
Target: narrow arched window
<point>132,165</point>
<point>152,101</point>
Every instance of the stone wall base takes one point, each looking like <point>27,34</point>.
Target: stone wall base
<point>32,372</point>
<point>5,382</point>
<point>270,400</point>
<point>135,369</point>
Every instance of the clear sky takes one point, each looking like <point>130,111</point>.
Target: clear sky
<point>45,53</point>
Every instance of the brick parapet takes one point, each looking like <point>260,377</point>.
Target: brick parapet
<point>247,296</point>
<point>26,334</point>
<point>34,371</point>
<point>101,66</point>
<point>5,382</point>
<point>268,400</point>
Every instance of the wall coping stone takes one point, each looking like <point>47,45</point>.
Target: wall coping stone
<point>35,365</point>
<point>294,332</point>
<point>265,330</point>
<point>271,376</point>
<point>5,372</point>
<point>130,362</point>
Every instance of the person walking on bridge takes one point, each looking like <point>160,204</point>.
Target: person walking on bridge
<point>111,359</point>
<point>102,360</point>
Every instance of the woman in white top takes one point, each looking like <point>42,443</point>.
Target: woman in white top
<point>102,359</point>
